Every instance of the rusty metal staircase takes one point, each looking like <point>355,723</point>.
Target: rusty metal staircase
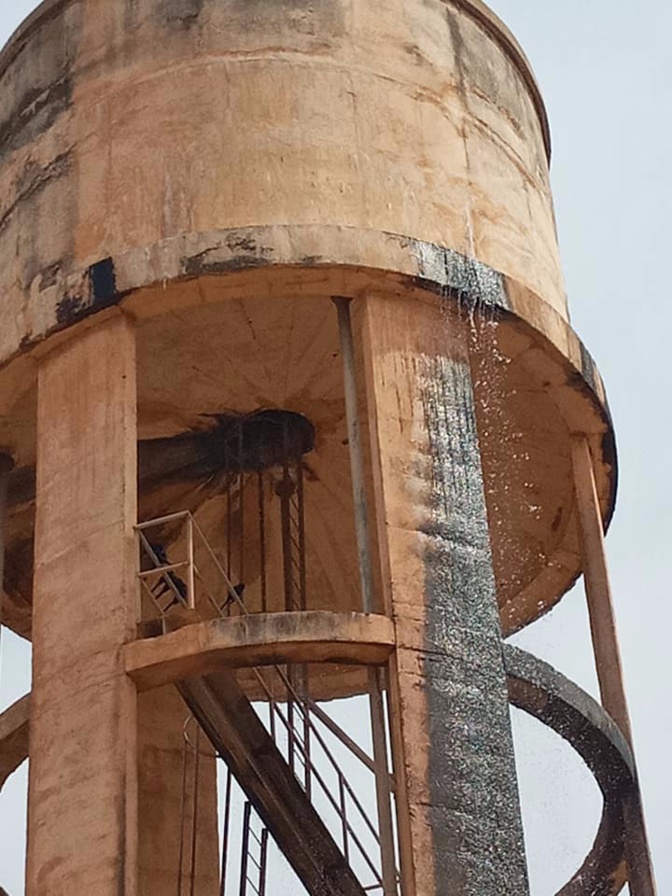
<point>237,733</point>
<point>285,765</point>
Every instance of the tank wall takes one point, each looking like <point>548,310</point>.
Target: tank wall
<point>127,123</point>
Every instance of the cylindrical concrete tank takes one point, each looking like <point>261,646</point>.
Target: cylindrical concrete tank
<point>189,190</point>
<point>300,150</point>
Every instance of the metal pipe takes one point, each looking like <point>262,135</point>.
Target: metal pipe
<point>607,651</point>
<point>383,793</point>
<point>241,501</point>
<point>338,732</point>
<point>292,738</point>
<point>191,579</point>
<point>183,809</point>
<point>226,832</point>
<point>229,515</point>
<point>163,520</point>
<point>383,790</point>
<point>356,452</point>
<point>245,848</point>
<point>220,569</point>
<point>308,763</point>
<point>194,817</point>
<point>262,542</point>
<point>344,818</point>
<point>284,490</point>
<point>263,862</point>
<point>303,595</point>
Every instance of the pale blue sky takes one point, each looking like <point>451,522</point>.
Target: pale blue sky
<point>605,69</point>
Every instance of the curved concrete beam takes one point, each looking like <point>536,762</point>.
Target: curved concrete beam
<point>257,640</point>
<point>539,690</point>
<point>534,686</point>
<point>14,723</point>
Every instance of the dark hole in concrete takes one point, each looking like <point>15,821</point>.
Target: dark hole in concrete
<point>103,280</point>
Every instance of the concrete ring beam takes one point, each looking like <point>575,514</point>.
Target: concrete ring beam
<point>538,689</point>
<point>257,640</point>
<point>534,687</point>
<point>14,724</point>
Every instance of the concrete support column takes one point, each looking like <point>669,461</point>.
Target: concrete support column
<point>607,653</point>
<point>82,807</point>
<point>167,804</point>
<point>460,825</point>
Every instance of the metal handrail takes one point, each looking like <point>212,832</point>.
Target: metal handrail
<point>305,706</point>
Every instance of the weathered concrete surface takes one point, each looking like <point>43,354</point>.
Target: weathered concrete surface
<point>217,167</point>
<point>536,688</point>
<point>221,168</point>
<point>539,690</point>
<point>166,807</point>
<point>129,123</point>
<point>447,683</point>
<point>259,640</point>
<point>82,784</point>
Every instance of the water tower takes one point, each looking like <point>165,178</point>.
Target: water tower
<point>293,420</point>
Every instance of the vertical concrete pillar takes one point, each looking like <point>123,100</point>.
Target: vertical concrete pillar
<point>607,652</point>
<point>82,835</point>
<point>460,829</point>
<point>166,801</point>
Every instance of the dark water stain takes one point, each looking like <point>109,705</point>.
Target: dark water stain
<point>40,109</point>
<point>70,309</point>
<point>324,18</point>
<point>38,81</point>
<point>131,15</point>
<point>42,193</point>
<point>181,13</point>
<point>240,242</point>
<point>33,180</point>
<point>197,265</point>
<point>472,283</point>
<point>51,275</point>
<point>477,829</point>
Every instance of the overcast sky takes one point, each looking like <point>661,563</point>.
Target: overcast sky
<point>605,70</point>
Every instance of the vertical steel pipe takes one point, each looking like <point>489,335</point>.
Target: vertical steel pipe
<point>245,848</point>
<point>191,576</point>
<point>262,540</point>
<point>378,728</point>
<point>263,862</point>
<point>356,452</point>
<point>226,827</point>
<point>383,790</point>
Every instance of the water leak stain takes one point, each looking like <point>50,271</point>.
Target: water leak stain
<point>477,829</point>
